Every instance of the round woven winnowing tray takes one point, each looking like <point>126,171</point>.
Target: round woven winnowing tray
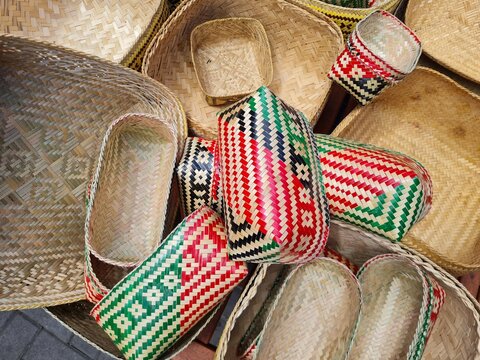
<point>435,121</point>
<point>450,33</point>
<point>55,106</point>
<point>304,45</point>
<point>116,30</point>
<point>456,334</point>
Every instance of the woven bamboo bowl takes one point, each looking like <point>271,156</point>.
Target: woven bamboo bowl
<point>428,108</point>
<point>114,30</point>
<point>130,189</point>
<point>231,58</point>
<point>345,17</point>
<point>321,292</point>
<point>303,47</point>
<point>449,31</point>
<point>56,105</point>
<point>456,334</point>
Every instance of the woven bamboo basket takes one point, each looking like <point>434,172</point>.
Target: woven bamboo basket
<point>398,295</point>
<point>231,58</point>
<point>347,17</point>
<point>56,105</point>
<point>303,47</point>
<point>428,108</point>
<point>321,292</point>
<point>118,31</point>
<point>380,52</point>
<point>449,31</point>
<point>456,334</point>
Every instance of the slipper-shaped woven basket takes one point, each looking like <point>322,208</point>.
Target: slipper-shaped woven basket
<point>303,47</point>
<point>322,292</point>
<point>125,219</point>
<point>398,295</point>
<point>56,105</point>
<point>114,30</point>
<point>450,33</point>
<point>435,121</point>
<point>275,205</point>
<point>231,58</point>
<point>456,333</point>
<point>348,17</point>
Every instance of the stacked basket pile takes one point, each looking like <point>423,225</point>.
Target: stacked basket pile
<point>348,235</point>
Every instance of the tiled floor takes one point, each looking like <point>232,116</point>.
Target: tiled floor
<point>35,335</point>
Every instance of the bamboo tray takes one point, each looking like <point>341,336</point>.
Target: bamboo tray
<point>56,104</point>
<point>114,30</point>
<point>303,47</point>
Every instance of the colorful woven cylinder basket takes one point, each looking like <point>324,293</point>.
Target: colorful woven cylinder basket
<point>274,199</point>
<point>179,283</point>
<point>381,191</point>
<point>379,52</point>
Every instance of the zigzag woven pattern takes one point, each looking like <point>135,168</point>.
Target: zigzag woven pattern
<point>274,199</point>
<point>379,190</point>
<point>177,285</point>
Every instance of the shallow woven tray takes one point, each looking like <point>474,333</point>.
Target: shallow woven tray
<point>55,106</point>
<point>435,121</point>
<point>450,33</point>
<point>231,58</point>
<point>320,292</point>
<point>303,47</point>
<point>114,30</point>
<point>345,17</point>
<point>456,334</point>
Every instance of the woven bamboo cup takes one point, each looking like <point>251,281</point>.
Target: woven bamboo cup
<point>457,330</point>
<point>348,17</point>
<point>303,45</point>
<point>318,293</point>
<point>56,105</point>
<point>231,58</point>
<point>398,295</point>
<point>449,31</point>
<point>118,31</point>
<point>420,111</point>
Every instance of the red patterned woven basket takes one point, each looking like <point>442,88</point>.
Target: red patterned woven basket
<point>379,52</point>
<point>274,199</point>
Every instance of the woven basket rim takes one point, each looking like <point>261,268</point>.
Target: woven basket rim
<point>352,118</point>
<point>446,64</point>
<point>359,13</point>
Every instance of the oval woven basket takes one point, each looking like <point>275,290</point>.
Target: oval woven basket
<point>450,33</point>
<point>327,286</point>
<point>56,105</point>
<point>303,47</point>
<point>456,333</point>
<point>428,108</point>
<point>345,17</point>
<point>114,30</point>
